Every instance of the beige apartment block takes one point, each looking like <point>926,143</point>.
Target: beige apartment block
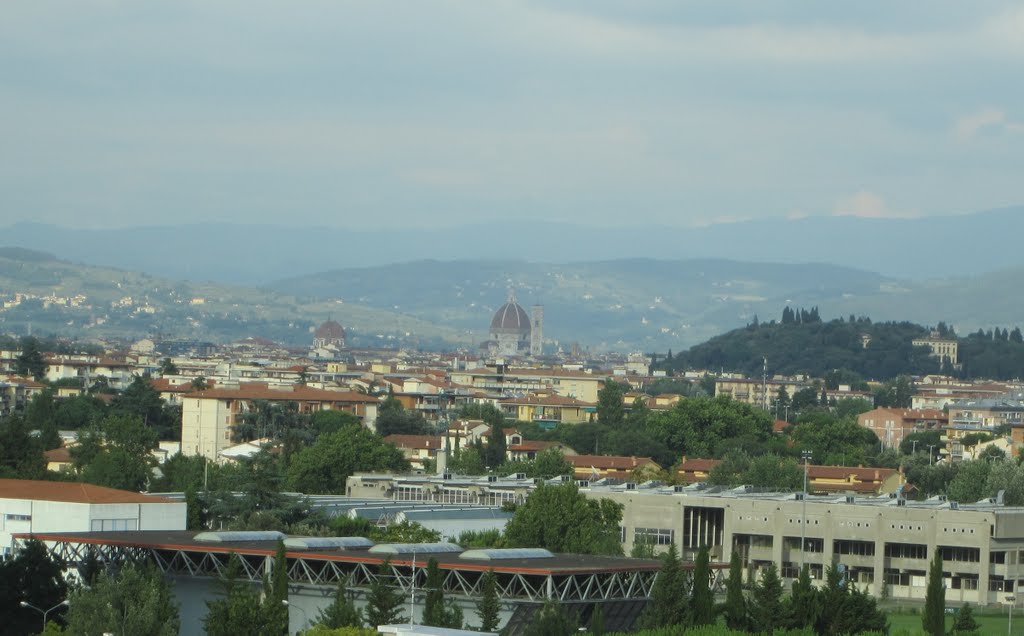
<point>886,543</point>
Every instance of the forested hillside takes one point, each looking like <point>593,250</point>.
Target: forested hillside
<point>803,343</point>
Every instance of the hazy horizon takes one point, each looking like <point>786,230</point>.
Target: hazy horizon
<point>440,114</point>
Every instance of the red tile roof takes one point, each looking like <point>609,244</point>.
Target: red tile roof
<point>298,393</point>
<point>414,441</point>
<point>609,462</point>
<point>71,492</point>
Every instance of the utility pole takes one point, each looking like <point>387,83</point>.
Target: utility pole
<point>806,456</point>
<point>764,386</point>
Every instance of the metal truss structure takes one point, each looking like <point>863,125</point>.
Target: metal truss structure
<point>463,580</point>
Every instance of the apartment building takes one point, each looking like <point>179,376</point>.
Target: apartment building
<point>208,417</point>
<point>892,425</point>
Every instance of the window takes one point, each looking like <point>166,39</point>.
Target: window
<point>12,517</point>
<point>964,554</point>
<point>855,548</point>
<point>114,525</point>
<point>656,536</point>
<point>906,551</point>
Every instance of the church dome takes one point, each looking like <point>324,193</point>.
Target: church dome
<point>510,318</point>
<point>330,331</point>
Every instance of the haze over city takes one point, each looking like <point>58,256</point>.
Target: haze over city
<point>437,114</point>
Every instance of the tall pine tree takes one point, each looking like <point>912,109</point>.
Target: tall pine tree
<point>342,612</point>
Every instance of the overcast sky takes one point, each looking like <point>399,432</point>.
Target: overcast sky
<point>429,113</point>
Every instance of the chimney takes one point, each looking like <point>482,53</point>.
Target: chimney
<point>441,459</point>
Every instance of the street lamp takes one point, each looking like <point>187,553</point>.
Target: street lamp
<point>931,455</point>
<point>305,617</point>
<point>1010,598</point>
<point>806,456</point>
<point>45,613</point>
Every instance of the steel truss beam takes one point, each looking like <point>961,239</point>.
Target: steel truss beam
<point>358,575</point>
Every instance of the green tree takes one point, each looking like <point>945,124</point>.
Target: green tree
<point>488,606</point>
<point>433,604</point>
<point>551,620</point>
<point>135,600</point>
<point>239,611</point>
<point>116,453</point>
<point>31,576</point>
<point>597,621</point>
<point>933,618</point>
<point>167,367</point>
<point>970,483</point>
<point>735,609</point>
<point>702,600</point>
<point>561,519</point>
<point>30,362</point>
<point>668,605</point>
<point>772,471</point>
<point>803,603</point>
<point>384,601</point>
<point>342,612</point>
<point>394,419</point>
<point>550,462</point>
<point>323,467</point>
<point>766,600</point>
<point>964,623</point>
<point>276,594</point>
<point>21,454</point>
<point>610,409</point>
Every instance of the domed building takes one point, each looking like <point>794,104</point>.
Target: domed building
<point>511,333</point>
<point>329,334</point>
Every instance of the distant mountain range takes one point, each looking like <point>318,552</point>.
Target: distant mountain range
<point>963,270</point>
<point>914,249</point>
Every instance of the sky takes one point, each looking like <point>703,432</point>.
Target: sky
<point>436,114</point>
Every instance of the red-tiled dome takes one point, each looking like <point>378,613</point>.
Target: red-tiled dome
<point>329,331</point>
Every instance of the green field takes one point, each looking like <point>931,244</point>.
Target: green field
<point>990,622</point>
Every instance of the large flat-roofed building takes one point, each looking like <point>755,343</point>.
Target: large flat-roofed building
<point>29,506</point>
<point>885,542</point>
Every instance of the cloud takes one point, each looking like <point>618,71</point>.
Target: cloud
<point>969,126</point>
<point>868,205</point>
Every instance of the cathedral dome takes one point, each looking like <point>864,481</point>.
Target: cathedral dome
<point>511,318</point>
<point>330,331</point>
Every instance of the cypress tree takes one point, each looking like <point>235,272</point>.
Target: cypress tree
<point>433,607</point>
<point>668,596</point>
<point>702,601</point>
<point>766,601</point>
<point>551,620</point>
<point>804,602</point>
<point>342,612</point>
<point>735,609</point>
<point>964,622</point>
<point>487,607</point>
<point>933,619</point>
<point>597,621</point>
<point>384,602</point>
<point>276,589</point>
